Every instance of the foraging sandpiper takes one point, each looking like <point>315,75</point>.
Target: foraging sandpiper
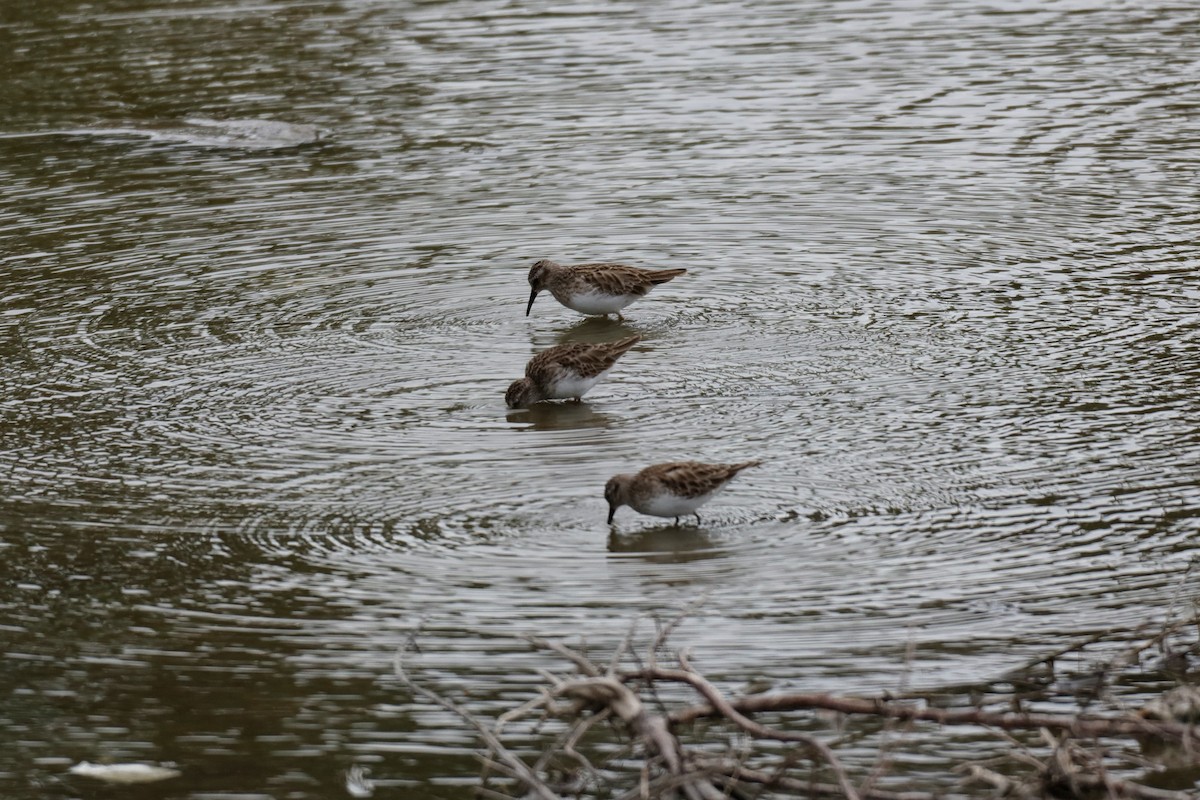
<point>567,370</point>
<point>596,289</point>
<point>673,489</point>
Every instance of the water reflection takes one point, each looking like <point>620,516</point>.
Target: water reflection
<point>562,415</point>
<point>599,329</point>
<point>666,544</point>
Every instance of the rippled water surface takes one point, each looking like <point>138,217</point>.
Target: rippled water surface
<point>262,282</point>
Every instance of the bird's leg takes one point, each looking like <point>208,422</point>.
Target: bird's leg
<point>578,399</point>
<point>620,317</point>
<point>697,513</point>
<point>676,522</point>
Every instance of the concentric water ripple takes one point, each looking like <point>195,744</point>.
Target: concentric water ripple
<point>941,281</point>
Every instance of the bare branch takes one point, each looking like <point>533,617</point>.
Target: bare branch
<point>577,733</point>
<point>718,701</point>
<point>1079,726</point>
<point>581,662</point>
<point>625,646</point>
<point>638,756</point>
<point>812,788</point>
<point>534,784</point>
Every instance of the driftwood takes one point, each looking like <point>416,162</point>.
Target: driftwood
<point>1088,727</point>
<point>654,761</point>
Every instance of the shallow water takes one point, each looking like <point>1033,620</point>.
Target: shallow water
<point>942,280</point>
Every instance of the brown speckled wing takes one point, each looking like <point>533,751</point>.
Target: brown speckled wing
<point>692,478</point>
<point>618,279</point>
<point>585,360</point>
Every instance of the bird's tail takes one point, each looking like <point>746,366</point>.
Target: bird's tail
<point>621,346</point>
<point>664,275</point>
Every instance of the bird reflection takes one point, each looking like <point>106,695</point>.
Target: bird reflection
<point>597,329</point>
<point>666,544</point>
<point>559,416</point>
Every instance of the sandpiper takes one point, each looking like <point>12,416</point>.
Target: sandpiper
<point>568,370</point>
<point>673,489</point>
<point>596,289</point>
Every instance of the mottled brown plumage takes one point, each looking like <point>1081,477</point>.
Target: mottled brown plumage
<point>595,288</point>
<point>673,489</point>
<point>567,370</point>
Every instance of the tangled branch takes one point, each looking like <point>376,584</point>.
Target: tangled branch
<point>653,762</point>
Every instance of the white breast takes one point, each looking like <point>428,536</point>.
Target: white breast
<point>670,505</point>
<point>594,302</point>
<point>571,385</point>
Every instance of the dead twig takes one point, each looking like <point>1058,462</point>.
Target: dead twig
<point>665,631</point>
<point>570,746</point>
<point>1087,727</point>
<point>811,788</point>
<point>883,758</point>
<point>625,647</point>
<point>723,708</point>
<point>518,767</point>
<point>650,728</point>
<point>581,663</point>
<point>1063,777</point>
<point>650,762</point>
<point>1129,655</point>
